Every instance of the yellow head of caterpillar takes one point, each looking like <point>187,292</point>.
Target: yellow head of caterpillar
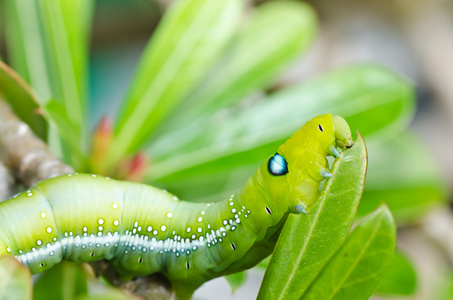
<point>305,153</point>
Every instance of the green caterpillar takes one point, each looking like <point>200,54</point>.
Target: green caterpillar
<point>143,230</point>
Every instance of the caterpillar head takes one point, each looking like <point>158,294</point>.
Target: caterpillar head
<point>302,159</point>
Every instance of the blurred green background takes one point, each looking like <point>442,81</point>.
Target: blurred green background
<point>244,88</point>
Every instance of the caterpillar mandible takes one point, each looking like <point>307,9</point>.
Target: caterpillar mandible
<point>142,229</point>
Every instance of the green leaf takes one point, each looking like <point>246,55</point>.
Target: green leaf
<point>209,154</point>
<point>357,269</point>
<point>189,39</point>
<point>15,283</point>
<point>259,52</point>
<point>66,27</point>
<point>26,45</point>
<point>56,114</point>
<point>444,286</point>
<point>236,280</point>
<point>400,278</point>
<point>21,99</point>
<point>307,242</point>
<point>403,174</point>
<point>64,281</point>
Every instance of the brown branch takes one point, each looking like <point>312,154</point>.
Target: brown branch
<point>31,161</point>
<point>23,153</point>
<point>7,187</point>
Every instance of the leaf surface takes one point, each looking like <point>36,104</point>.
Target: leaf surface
<point>22,100</point>
<point>359,266</point>
<point>400,278</point>
<point>308,241</point>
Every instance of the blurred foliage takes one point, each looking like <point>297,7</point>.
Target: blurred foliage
<point>16,280</point>
<point>401,277</point>
<point>198,108</point>
<point>404,175</point>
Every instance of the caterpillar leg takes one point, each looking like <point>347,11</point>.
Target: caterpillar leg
<point>300,208</point>
<point>334,151</point>
<point>326,174</point>
<point>303,195</point>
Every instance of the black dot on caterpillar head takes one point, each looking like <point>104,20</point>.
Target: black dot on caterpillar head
<point>187,265</point>
<point>140,260</point>
<point>92,254</point>
<point>268,210</point>
<point>233,246</point>
<point>277,165</point>
<point>41,264</point>
<point>320,128</point>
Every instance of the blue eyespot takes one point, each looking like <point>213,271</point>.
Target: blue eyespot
<point>277,165</point>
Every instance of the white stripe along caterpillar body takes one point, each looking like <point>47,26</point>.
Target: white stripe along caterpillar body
<point>143,230</point>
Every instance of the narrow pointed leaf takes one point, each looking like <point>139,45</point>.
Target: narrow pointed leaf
<point>15,283</point>
<point>56,114</point>
<point>357,269</point>
<point>26,45</point>
<point>189,39</point>
<point>307,242</point>
<point>66,27</point>
<point>22,99</point>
